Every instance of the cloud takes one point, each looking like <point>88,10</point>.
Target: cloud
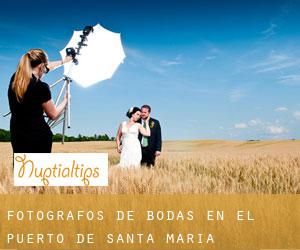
<point>289,79</point>
<point>134,53</point>
<point>280,66</point>
<point>192,121</point>
<point>255,122</point>
<point>175,61</point>
<point>241,125</point>
<point>236,95</point>
<point>258,127</point>
<point>281,109</point>
<point>151,63</point>
<point>276,61</point>
<point>270,31</point>
<point>138,58</point>
<point>215,50</point>
<point>153,68</point>
<point>276,130</point>
<point>297,115</point>
<point>209,58</point>
<point>167,63</point>
<point>273,58</point>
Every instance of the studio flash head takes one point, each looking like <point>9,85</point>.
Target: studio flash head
<point>71,52</point>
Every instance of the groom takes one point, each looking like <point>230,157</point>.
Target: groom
<point>151,146</point>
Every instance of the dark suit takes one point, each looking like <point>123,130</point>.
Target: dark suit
<point>154,143</point>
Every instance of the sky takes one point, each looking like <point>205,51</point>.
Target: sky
<point>209,69</point>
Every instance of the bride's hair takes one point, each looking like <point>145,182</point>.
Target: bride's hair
<point>131,111</point>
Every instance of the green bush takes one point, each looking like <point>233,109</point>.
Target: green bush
<point>5,137</point>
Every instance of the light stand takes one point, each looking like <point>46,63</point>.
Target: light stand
<point>65,115</point>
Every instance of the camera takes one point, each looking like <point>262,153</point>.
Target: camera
<point>72,52</point>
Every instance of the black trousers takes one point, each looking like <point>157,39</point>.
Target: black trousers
<point>23,144</point>
<point>148,158</point>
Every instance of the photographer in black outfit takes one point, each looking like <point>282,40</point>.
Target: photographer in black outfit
<point>29,98</point>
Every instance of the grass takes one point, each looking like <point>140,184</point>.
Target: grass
<point>186,167</point>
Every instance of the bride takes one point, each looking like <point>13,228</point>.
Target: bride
<point>128,143</point>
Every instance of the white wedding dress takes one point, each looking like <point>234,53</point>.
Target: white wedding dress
<point>131,154</point>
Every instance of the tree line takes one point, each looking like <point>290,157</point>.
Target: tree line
<point>5,137</point>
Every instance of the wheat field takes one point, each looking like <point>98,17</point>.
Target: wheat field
<point>185,167</point>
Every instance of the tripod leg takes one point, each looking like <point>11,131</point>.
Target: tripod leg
<point>69,104</point>
<point>64,125</point>
<point>50,122</point>
<point>60,94</point>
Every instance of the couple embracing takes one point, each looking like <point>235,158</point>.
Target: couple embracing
<point>139,138</point>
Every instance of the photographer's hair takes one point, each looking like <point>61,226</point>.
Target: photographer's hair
<point>146,107</point>
<point>28,61</point>
<point>131,111</point>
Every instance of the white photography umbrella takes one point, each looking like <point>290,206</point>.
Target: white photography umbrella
<point>98,58</point>
<point>97,53</point>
